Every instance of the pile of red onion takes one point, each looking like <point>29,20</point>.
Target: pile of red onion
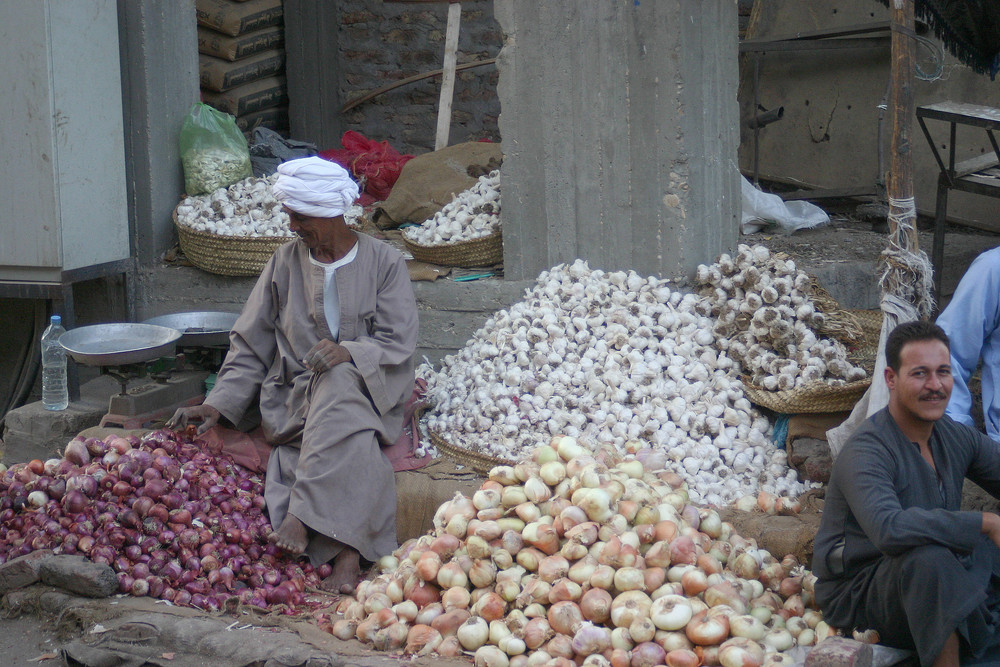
<point>174,521</point>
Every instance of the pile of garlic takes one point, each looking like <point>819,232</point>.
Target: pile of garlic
<point>576,556</point>
<point>472,214</point>
<point>610,357</point>
<point>766,321</point>
<point>245,208</point>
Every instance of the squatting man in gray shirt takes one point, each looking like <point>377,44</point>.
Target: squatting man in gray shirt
<point>894,551</point>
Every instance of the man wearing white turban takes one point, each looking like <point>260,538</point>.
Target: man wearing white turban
<point>324,347</point>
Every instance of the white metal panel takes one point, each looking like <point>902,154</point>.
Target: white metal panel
<point>63,153</point>
<point>29,224</point>
<point>90,140</point>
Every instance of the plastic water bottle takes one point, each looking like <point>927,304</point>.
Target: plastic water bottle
<point>55,392</point>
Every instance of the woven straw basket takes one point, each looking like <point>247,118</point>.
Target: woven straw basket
<point>486,251</point>
<point>810,398</point>
<point>227,255</point>
<point>859,330</point>
<point>481,463</point>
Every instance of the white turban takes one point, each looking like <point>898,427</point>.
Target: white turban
<point>315,187</point>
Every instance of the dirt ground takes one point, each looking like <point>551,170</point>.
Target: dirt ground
<point>852,236</point>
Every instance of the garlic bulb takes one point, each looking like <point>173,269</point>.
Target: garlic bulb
<point>473,214</point>
<point>245,208</point>
<point>610,357</point>
<point>767,321</point>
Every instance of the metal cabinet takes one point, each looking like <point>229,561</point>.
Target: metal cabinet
<point>63,165</point>
<point>63,217</point>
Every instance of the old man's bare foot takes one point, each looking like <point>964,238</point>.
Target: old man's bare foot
<point>346,570</point>
<point>291,536</point>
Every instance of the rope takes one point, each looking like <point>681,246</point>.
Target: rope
<point>907,273</point>
<point>936,57</point>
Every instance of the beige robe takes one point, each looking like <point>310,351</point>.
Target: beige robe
<point>327,467</point>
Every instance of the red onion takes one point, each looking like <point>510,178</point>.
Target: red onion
<point>648,654</point>
<point>76,453</point>
<point>140,587</point>
<point>86,484</point>
<point>95,447</point>
<point>74,501</point>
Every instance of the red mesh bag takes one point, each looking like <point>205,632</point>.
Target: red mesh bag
<point>374,164</point>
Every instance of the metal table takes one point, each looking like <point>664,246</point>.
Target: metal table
<point>979,175</point>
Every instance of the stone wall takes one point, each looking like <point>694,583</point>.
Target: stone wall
<point>383,42</point>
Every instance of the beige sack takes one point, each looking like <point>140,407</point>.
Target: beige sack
<point>233,48</point>
<point>233,19</point>
<point>219,74</point>
<point>430,181</point>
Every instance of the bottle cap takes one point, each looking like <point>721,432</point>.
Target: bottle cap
<point>57,319</point>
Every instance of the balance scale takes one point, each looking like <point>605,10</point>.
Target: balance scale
<point>177,353</point>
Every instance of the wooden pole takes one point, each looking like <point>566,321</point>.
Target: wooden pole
<point>448,78</point>
<point>902,214</point>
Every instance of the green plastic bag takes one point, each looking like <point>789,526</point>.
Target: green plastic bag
<point>213,150</point>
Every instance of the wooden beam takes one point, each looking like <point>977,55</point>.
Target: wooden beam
<point>902,110</point>
<point>408,80</point>
<point>448,80</point>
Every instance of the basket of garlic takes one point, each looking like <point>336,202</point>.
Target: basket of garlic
<point>232,231</point>
<point>767,310</point>
<point>466,232</point>
<point>480,463</point>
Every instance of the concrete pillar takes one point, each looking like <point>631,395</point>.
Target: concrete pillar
<point>619,129</point>
<point>159,56</point>
<point>312,50</point>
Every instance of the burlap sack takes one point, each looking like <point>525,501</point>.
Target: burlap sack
<point>419,493</point>
<point>430,181</point>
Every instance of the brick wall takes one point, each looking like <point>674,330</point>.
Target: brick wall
<point>382,42</point>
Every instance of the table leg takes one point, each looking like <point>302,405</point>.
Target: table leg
<point>940,224</point>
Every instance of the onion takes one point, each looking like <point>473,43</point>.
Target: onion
<point>682,658</point>
<point>565,618</point>
<point>536,632</point>
<point>670,612</point>
<point>595,605</point>
<point>428,613</point>
<point>449,622</point>
<point>473,633</point>
<point>76,453</point>
<point>421,640</point>
<point>490,656</point>
<point>590,639</point>
<point>648,654</point>
<point>705,630</point>
<point>629,605</point>
<point>741,652</point>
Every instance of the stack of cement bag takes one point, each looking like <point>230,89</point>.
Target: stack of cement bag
<point>242,57</point>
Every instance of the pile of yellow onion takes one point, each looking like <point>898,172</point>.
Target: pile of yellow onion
<point>580,556</point>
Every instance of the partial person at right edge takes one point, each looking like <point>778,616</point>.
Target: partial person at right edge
<point>894,552</point>
<point>972,322</point>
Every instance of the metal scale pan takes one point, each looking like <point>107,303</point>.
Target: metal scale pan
<point>119,344</point>
<point>198,328</point>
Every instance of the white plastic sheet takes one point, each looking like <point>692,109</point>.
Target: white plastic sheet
<point>895,311</point>
<point>761,210</point>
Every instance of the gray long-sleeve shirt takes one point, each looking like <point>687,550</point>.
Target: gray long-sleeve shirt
<point>884,498</point>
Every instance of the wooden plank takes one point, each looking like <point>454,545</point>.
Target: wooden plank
<point>448,78</point>
<point>978,163</point>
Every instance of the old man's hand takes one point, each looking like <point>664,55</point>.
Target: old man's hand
<point>206,414</point>
<point>324,355</point>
